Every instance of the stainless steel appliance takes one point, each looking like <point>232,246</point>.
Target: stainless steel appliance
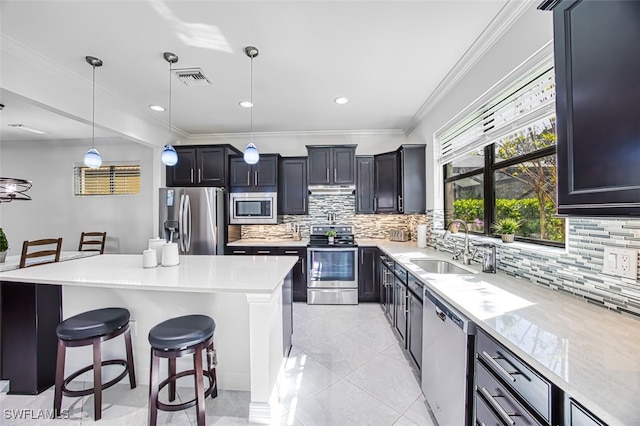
<point>447,367</point>
<point>194,219</point>
<point>253,208</point>
<point>332,277</point>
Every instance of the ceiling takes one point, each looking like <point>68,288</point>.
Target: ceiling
<point>387,57</point>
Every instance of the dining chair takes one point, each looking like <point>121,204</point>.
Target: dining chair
<point>92,241</point>
<point>43,250</point>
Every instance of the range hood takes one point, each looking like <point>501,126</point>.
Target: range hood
<point>332,189</point>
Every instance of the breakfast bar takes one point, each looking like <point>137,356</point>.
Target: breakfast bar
<point>248,297</point>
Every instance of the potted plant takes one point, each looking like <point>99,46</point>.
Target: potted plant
<point>4,246</point>
<point>331,233</point>
<point>507,227</point>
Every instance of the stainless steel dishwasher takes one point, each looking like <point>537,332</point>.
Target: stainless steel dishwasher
<point>447,361</point>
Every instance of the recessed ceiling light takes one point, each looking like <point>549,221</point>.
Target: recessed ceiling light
<point>26,129</point>
<point>341,100</point>
<point>246,104</point>
<point>157,108</point>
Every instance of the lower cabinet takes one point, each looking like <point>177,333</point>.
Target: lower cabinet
<point>400,303</point>
<point>577,415</point>
<point>414,326</point>
<point>368,283</point>
<point>299,272</point>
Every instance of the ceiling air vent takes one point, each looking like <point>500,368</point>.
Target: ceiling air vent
<point>192,76</point>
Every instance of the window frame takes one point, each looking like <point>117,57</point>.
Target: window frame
<point>79,182</point>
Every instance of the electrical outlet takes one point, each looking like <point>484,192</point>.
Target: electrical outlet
<point>133,326</point>
<point>621,262</point>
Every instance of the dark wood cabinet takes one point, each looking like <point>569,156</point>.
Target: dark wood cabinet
<point>597,66</point>
<point>368,284</point>
<point>364,184</point>
<point>292,186</point>
<point>400,181</point>
<point>332,165</point>
<point>262,176</point>
<point>577,415</point>
<point>414,325</point>
<point>204,165</point>
<point>299,271</point>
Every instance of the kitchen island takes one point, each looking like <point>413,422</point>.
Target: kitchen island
<point>243,294</point>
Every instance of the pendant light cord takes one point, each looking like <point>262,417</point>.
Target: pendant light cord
<point>170,65</point>
<point>252,105</point>
<point>93,112</point>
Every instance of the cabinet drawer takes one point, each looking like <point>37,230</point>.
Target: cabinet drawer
<point>496,406</point>
<point>519,377</point>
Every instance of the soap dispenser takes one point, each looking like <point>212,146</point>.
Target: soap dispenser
<point>488,252</point>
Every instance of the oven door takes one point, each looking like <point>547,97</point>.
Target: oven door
<point>332,268</point>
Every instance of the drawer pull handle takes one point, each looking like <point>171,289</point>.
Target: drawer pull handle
<point>239,251</point>
<point>491,399</point>
<point>291,252</point>
<point>493,362</point>
<point>264,252</point>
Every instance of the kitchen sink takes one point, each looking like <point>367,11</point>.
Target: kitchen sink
<point>435,266</point>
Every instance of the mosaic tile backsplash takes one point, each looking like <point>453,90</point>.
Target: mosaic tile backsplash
<point>366,225</point>
<point>578,269</point>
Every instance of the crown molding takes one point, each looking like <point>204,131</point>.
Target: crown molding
<point>305,134</point>
<point>508,15</point>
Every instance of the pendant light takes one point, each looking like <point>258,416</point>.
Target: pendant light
<point>169,154</point>
<point>92,158</point>
<point>251,154</point>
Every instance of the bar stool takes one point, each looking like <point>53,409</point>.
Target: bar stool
<point>92,328</point>
<point>175,338</point>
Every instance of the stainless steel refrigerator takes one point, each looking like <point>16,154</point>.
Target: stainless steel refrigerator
<point>193,218</point>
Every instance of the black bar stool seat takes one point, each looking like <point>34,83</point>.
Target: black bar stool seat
<point>92,328</point>
<point>175,338</point>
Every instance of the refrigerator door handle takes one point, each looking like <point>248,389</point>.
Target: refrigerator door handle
<point>187,243</point>
<point>181,223</point>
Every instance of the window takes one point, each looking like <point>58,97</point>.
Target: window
<point>499,158</point>
<point>109,179</point>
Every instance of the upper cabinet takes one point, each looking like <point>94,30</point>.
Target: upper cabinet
<point>200,166</point>
<point>259,177</point>
<point>332,165</point>
<point>400,181</point>
<point>292,186</point>
<point>364,184</point>
<point>597,64</point>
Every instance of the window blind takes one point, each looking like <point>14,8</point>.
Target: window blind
<point>530,98</point>
<point>109,179</point>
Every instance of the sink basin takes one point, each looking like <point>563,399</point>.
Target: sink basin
<point>435,266</point>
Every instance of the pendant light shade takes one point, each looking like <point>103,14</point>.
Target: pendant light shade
<point>92,157</point>
<point>169,155</point>
<point>251,154</point>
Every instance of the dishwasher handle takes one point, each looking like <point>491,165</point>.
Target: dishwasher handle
<point>440,314</point>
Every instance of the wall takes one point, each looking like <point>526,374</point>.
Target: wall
<point>55,212</point>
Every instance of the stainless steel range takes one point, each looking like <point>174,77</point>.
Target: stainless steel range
<point>333,266</point>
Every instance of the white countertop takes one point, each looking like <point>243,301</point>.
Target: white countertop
<point>591,353</point>
<point>13,262</point>
<point>230,274</point>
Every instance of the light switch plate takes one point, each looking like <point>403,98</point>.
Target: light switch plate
<point>621,262</point>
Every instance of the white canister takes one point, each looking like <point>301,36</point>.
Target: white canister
<point>156,244</point>
<point>170,254</point>
<point>149,259</point>
<point>422,236</point>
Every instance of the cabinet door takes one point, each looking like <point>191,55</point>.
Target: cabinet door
<point>240,173</point>
<point>400,304</point>
<point>364,185</point>
<point>597,60</point>
<point>182,174</point>
<point>368,284</point>
<point>211,166</point>
<point>413,194</point>
<point>265,172</point>
<point>386,183</point>
<point>579,416</point>
<point>292,186</point>
<point>299,273</point>
<point>320,166</point>
<point>344,166</point>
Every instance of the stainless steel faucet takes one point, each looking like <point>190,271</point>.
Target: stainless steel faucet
<point>466,253</point>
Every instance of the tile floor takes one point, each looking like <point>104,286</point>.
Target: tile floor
<point>346,368</point>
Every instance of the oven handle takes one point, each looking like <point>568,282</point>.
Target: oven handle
<point>353,249</point>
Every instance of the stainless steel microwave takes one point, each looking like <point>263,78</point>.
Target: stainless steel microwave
<point>246,208</point>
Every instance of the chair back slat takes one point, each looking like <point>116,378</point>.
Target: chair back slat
<point>92,241</point>
<point>52,253</point>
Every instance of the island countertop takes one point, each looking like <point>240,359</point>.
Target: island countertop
<point>220,274</point>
